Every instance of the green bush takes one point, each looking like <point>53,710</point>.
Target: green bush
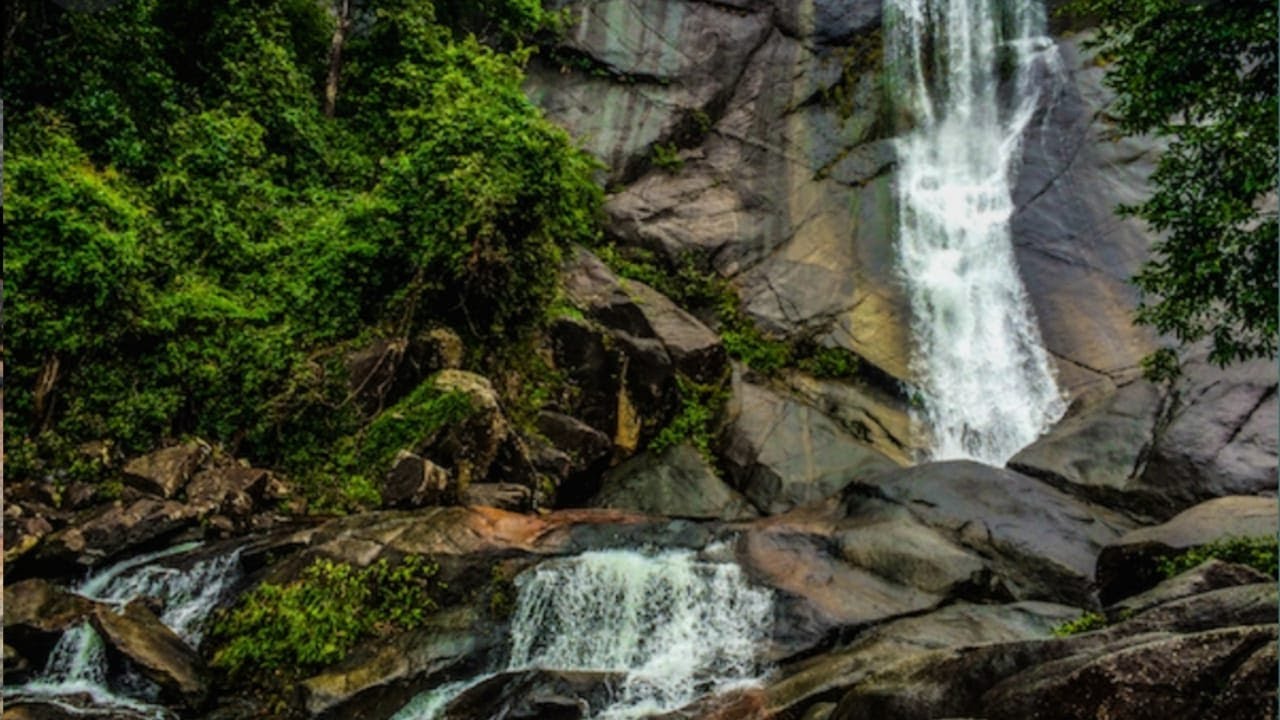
<point>1085,623</point>
<point>194,246</point>
<point>1258,553</point>
<point>695,424</point>
<point>317,619</point>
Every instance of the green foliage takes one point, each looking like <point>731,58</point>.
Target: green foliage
<point>695,424</point>
<point>668,158</point>
<point>1085,623</point>
<point>1204,76</point>
<point>1258,553</point>
<point>292,629</point>
<point>194,247</point>
<point>410,422</point>
<point>831,362</point>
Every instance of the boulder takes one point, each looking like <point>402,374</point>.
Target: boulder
<point>588,448</point>
<point>156,651</point>
<point>1128,565</point>
<point>633,311</point>
<point>469,449</point>
<point>1211,575</point>
<point>415,482</point>
<point>1039,540</point>
<point>114,530</point>
<point>797,684</point>
<point>1169,661</point>
<point>36,613</point>
<point>1101,452</point>
<point>389,368</point>
<point>1221,436</point>
<point>380,677</point>
<point>676,483</point>
<point>165,472</point>
<point>536,694</point>
<point>22,532</point>
<point>781,453</point>
<point>1189,677</point>
<point>228,488</point>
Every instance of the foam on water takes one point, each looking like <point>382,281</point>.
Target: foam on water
<point>674,627</point>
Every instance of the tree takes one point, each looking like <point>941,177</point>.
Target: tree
<point>1202,74</point>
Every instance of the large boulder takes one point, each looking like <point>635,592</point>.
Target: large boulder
<point>798,684</point>
<point>166,472</point>
<point>414,482</point>
<point>781,453</point>
<point>1041,541</point>
<point>114,530</point>
<point>1221,436</point>
<point>1129,564</point>
<point>1101,451</point>
<point>136,634</point>
<point>36,613</point>
<point>382,676</point>
<point>536,695</point>
<point>1206,577</point>
<point>676,483</point>
<point>634,311</point>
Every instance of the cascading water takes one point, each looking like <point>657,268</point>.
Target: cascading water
<point>964,73</point>
<point>673,626</point>
<point>77,666</point>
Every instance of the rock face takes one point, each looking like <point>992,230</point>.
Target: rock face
<point>136,634</point>
<point>677,483</point>
<point>781,453</point>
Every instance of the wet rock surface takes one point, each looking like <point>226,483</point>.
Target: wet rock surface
<point>676,483</point>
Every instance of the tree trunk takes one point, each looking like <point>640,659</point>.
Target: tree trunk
<point>335,56</point>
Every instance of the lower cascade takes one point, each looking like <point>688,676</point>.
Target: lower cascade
<point>672,626</point>
<point>77,665</point>
<point>965,74</point>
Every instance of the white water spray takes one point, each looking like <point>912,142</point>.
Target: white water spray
<point>675,628</point>
<point>986,383</point>
<point>77,666</point>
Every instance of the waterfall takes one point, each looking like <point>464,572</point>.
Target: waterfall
<point>77,666</point>
<point>963,73</point>
<point>674,627</point>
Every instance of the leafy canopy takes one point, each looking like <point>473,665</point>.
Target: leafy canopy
<point>194,246</point>
<point>1203,74</point>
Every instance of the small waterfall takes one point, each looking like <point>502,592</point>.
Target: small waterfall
<point>963,72</point>
<point>77,666</point>
<point>674,627</point>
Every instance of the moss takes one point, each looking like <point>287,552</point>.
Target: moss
<point>411,422</point>
<point>285,631</point>
<point>1085,623</point>
<point>1258,553</point>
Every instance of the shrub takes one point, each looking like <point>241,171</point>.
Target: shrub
<point>1085,623</point>
<point>314,621</point>
<point>1258,553</point>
